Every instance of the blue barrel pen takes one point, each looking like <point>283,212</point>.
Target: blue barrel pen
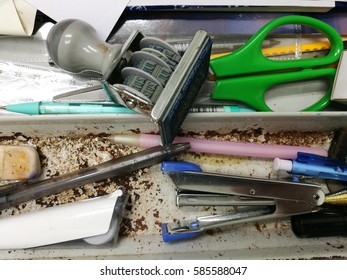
<point>312,165</point>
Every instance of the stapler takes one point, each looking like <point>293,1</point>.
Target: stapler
<point>96,221</point>
<point>144,74</point>
<point>260,199</point>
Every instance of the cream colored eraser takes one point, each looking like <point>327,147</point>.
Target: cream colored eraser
<point>19,163</point>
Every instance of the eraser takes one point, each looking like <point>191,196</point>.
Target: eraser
<point>282,164</point>
<point>19,163</point>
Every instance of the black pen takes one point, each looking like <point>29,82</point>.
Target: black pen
<point>15,194</point>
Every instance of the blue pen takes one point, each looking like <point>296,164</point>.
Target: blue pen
<point>313,165</point>
<point>38,108</point>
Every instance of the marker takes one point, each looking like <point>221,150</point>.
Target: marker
<point>313,165</point>
<point>319,224</point>
<point>40,108</point>
<point>220,147</point>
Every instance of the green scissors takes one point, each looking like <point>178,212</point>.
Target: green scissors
<point>246,74</point>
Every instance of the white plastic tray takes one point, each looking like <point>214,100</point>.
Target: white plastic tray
<point>154,201</point>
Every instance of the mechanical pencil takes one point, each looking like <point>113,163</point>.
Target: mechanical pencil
<point>14,194</point>
<point>313,165</point>
<point>224,109</point>
<point>41,108</point>
<point>38,108</point>
<point>221,147</point>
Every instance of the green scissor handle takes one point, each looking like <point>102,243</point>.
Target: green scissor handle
<point>249,58</point>
<point>251,90</point>
<point>235,73</point>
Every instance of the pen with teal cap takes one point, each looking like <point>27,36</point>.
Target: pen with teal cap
<point>41,107</point>
<point>47,107</point>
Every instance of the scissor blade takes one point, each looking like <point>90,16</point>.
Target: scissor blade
<point>204,97</point>
<point>93,94</point>
<point>96,94</point>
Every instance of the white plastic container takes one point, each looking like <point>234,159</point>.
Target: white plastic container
<point>152,192</point>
